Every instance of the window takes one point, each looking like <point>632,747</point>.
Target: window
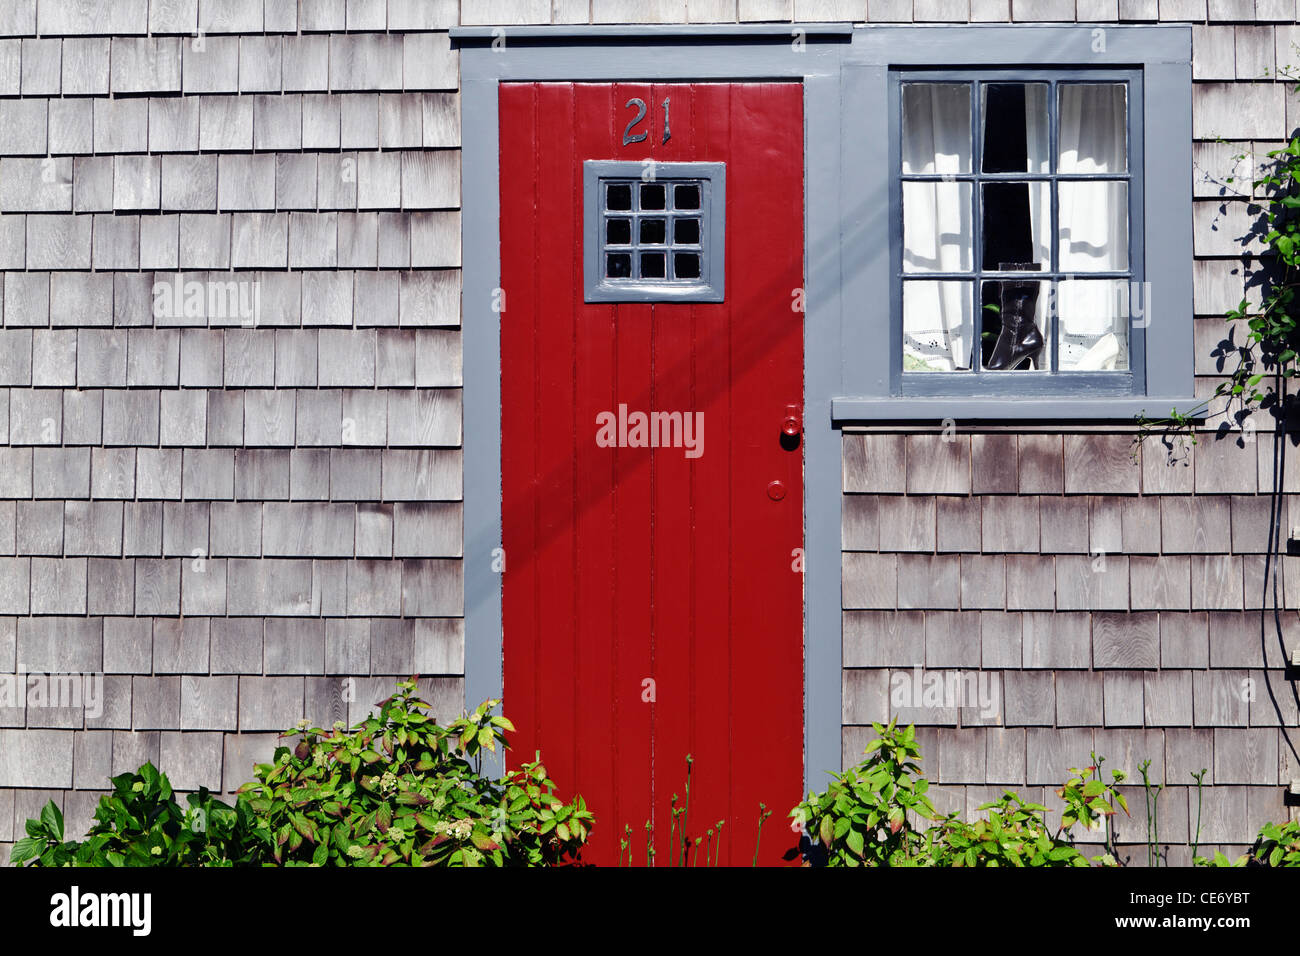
<point>653,232</point>
<point>1018,255</point>
<point>1007,186</point>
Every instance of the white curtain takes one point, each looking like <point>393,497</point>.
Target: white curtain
<point>936,128</point>
<point>938,327</point>
<point>1037,141</point>
<point>1092,132</point>
<point>938,317</point>
<point>1037,135</point>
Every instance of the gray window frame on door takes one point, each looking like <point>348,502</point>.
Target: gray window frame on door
<point>1130,381</point>
<point>708,286</point>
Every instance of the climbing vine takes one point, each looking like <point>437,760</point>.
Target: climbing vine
<point>1267,357</point>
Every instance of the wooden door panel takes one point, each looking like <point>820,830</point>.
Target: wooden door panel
<point>631,565</point>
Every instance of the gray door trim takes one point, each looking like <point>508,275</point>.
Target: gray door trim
<point>811,54</point>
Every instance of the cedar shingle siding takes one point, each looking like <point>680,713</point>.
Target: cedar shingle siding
<point>227,518</point>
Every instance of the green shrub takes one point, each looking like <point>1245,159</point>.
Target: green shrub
<point>397,789</point>
<point>1276,845</point>
<point>1015,834</point>
<point>863,817</point>
<point>141,824</point>
<point>872,815</point>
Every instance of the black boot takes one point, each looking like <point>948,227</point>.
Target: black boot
<point>1020,340</point>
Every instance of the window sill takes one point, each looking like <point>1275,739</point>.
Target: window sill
<point>1063,408</point>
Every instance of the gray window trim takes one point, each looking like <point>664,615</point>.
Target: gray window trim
<point>875,388</point>
<point>709,287</point>
<point>808,53</point>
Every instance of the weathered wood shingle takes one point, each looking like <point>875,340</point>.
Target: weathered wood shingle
<point>128,646</point>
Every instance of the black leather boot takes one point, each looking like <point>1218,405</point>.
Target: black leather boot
<point>1020,340</point>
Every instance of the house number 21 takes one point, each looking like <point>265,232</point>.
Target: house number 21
<point>638,104</point>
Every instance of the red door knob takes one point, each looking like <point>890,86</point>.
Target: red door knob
<point>791,426</point>
<point>776,490</point>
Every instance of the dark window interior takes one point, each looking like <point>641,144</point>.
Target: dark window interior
<point>1007,236</point>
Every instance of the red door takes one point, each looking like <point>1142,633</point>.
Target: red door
<point>653,596</point>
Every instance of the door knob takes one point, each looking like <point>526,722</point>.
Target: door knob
<point>791,427</point>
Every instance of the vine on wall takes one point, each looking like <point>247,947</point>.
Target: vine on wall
<point>1266,360</point>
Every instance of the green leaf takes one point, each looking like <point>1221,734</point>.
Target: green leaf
<point>28,848</point>
<point>52,819</point>
<point>855,841</point>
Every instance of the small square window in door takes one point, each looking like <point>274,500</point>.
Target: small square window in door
<point>653,232</point>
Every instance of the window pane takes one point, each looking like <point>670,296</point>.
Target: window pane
<point>653,232</point>
<point>618,196</point>
<point>652,265</point>
<point>618,266</point>
<point>1016,226</point>
<point>936,227</point>
<point>936,128</point>
<point>652,196</point>
<point>1093,130</point>
<point>618,232</point>
<point>1093,323</point>
<point>1012,325</point>
<point>686,231</point>
<point>1015,128</point>
<point>938,326</point>
<point>1094,226</point>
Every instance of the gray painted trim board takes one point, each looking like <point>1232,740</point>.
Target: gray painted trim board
<point>999,409</point>
<point>705,31</point>
<point>481,343</point>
